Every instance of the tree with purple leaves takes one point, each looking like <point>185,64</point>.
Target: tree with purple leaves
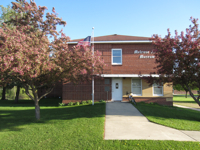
<point>178,59</point>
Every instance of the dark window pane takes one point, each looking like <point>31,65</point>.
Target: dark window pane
<point>107,81</point>
<point>107,88</point>
<point>117,85</point>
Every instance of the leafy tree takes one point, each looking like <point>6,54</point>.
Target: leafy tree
<point>178,87</point>
<point>36,55</point>
<point>6,15</point>
<point>178,59</point>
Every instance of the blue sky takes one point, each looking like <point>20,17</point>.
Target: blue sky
<point>125,17</point>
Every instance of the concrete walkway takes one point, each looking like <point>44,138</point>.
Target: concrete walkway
<point>125,122</point>
<point>197,109</point>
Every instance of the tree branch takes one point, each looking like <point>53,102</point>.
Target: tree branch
<point>47,92</point>
<point>27,92</point>
<point>192,95</point>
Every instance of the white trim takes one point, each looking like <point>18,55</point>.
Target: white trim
<point>112,56</point>
<point>158,94</point>
<point>128,75</point>
<point>136,41</point>
<point>140,88</point>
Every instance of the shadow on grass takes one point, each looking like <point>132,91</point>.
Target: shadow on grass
<point>13,117</point>
<point>30,103</point>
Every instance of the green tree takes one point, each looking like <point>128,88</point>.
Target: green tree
<point>6,15</point>
<point>179,87</point>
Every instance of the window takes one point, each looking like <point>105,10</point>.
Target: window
<point>117,85</point>
<point>107,88</point>
<point>116,56</point>
<point>157,90</point>
<point>136,87</point>
<point>107,81</point>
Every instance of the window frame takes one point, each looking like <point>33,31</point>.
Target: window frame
<point>136,86</point>
<point>154,90</point>
<point>116,56</point>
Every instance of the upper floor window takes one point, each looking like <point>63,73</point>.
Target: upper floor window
<point>157,90</point>
<point>116,56</point>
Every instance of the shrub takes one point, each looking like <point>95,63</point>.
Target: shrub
<point>89,101</point>
<point>84,102</point>
<point>154,103</point>
<point>61,104</point>
<point>101,101</point>
<point>77,103</point>
<point>70,104</point>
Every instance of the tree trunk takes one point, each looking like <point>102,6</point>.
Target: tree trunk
<point>4,94</point>
<point>34,98</point>
<point>17,94</point>
<point>185,94</point>
<point>192,95</point>
<point>37,109</point>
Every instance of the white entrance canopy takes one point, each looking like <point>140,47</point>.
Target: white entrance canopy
<point>128,75</point>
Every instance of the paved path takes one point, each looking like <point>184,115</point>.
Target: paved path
<point>125,122</point>
<point>197,109</point>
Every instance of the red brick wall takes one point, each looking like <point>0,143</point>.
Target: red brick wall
<point>56,93</point>
<point>83,91</point>
<point>131,63</point>
<point>183,92</point>
<point>161,101</point>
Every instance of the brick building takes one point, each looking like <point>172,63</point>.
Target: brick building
<point>126,57</point>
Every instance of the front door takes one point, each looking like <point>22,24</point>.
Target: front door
<point>117,89</point>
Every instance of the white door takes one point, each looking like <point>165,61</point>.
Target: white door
<point>117,89</point>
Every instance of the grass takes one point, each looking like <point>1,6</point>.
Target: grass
<point>181,100</point>
<point>66,127</point>
<point>175,117</point>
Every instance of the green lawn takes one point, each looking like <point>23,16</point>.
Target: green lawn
<point>175,117</point>
<point>68,127</point>
<point>181,100</point>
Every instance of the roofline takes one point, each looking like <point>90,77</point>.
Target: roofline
<point>99,42</point>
